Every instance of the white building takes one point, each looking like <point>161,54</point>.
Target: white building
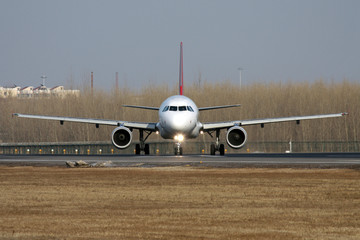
<point>38,92</point>
<point>9,92</point>
<point>41,91</point>
<point>59,91</point>
<point>26,92</point>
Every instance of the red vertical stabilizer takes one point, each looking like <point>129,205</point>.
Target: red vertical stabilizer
<point>181,71</point>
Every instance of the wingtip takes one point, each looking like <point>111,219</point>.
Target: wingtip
<point>345,113</point>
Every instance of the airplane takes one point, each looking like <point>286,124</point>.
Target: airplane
<point>179,120</point>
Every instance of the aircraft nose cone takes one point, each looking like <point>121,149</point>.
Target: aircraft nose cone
<point>178,124</point>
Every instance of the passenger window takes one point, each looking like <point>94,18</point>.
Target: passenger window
<point>182,108</point>
<point>166,108</point>
<point>190,108</point>
<point>173,108</point>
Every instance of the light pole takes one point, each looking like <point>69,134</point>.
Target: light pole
<point>240,71</point>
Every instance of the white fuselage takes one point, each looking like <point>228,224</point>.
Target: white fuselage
<point>178,115</point>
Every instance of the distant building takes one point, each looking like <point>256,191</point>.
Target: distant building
<point>59,91</point>
<point>9,92</point>
<point>26,92</point>
<point>41,91</point>
<point>38,92</point>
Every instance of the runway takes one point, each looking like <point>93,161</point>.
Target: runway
<point>293,160</point>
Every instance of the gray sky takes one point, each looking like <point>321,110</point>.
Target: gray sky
<point>277,40</point>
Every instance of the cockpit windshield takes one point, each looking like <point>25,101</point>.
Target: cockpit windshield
<point>173,108</point>
<point>182,108</point>
<point>166,108</point>
<point>178,108</point>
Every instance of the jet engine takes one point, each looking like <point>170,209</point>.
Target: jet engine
<point>236,137</point>
<point>121,137</point>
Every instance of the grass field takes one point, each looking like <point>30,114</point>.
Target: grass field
<point>179,203</point>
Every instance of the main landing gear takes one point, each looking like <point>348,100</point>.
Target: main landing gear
<point>214,147</point>
<point>142,146</point>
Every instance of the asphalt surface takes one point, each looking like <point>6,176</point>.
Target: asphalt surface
<point>259,160</point>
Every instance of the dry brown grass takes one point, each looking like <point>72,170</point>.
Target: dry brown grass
<point>179,203</point>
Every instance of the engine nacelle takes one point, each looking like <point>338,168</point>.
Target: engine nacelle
<point>236,137</point>
<point>121,137</point>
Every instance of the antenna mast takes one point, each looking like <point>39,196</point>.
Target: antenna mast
<point>43,77</point>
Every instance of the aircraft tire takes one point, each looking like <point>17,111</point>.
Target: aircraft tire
<point>222,150</point>
<point>137,149</point>
<point>212,149</point>
<point>147,149</point>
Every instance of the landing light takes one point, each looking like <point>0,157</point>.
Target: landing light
<point>179,138</point>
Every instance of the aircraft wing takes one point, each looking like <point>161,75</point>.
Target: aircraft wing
<point>97,122</point>
<point>221,125</point>
<point>218,107</point>
<point>142,107</point>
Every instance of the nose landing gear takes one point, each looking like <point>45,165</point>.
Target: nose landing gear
<point>178,150</point>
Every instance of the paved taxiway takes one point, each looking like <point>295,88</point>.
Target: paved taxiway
<point>296,160</point>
